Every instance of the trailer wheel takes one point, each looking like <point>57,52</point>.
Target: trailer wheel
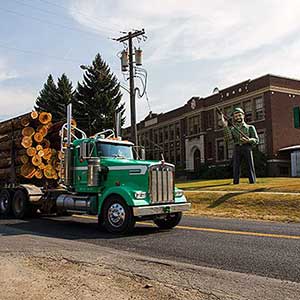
<point>117,216</point>
<point>20,205</point>
<point>169,221</point>
<point>5,202</point>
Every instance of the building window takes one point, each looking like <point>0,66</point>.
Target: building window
<point>166,133</point>
<point>155,136</point>
<point>209,119</point>
<point>220,150</point>
<point>177,131</point>
<point>259,108</point>
<point>248,111</point>
<point>171,128</point>
<point>160,136</point>
<point>178,155</point>
<point>172,156</point>
<point>146,143</point>
<point>194,125</point>
<point>209,150</point>
<point>166,156</point>
<point>262,143</point>
<point>228,111</point>
<point>229,150</point>
<point>166,147</point>
<point>219,119</point>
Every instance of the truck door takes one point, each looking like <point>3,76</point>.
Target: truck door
<point>80,170</point>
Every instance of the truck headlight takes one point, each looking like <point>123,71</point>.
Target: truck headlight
<point>140,195</point>
<point>178,193</point>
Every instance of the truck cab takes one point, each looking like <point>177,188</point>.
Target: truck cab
<point>114,183</point>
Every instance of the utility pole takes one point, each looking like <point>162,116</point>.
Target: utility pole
<point>128,37</point>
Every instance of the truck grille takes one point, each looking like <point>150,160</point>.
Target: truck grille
<point>161,183</point>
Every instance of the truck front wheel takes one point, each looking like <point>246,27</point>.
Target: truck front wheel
<point>20,205</point>
<point>117,216</point>
<point>169,221</point>
<point>5,203</point>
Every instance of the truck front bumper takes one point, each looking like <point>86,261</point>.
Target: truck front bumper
<point>160,209</point>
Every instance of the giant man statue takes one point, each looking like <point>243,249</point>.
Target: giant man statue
<point>244,136</point>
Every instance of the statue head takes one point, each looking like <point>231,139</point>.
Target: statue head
<point>238,115</point>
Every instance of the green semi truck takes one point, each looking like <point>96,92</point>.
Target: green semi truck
<point>102,176</point>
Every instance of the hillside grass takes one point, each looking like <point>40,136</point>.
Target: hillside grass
<point>250,203</point>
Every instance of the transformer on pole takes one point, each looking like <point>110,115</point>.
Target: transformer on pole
<point>124,60</point>
<point>127,61</point>
<point>138,57</point>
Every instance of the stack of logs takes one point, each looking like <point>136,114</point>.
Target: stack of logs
<point>30,147</point>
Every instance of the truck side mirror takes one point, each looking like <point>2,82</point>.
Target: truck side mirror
<point>143,154</point>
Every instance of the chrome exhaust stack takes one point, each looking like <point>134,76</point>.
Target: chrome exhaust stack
<point>68,150</point>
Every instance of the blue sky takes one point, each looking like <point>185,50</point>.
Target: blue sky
<point>192,47</point>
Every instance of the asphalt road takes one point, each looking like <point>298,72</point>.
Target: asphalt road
<point>262,248</point>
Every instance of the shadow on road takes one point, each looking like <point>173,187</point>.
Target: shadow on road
<point>66,228</point>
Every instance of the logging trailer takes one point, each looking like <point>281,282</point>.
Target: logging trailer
<point>100,175</point>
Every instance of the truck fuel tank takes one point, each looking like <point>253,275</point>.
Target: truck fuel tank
<point>73,202</point>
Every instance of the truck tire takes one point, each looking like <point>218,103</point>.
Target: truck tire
<point>5,202</point>
<point>117,216</point>
<point>169,221</point>
<point>21,207</point>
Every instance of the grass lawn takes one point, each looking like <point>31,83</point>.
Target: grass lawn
<point>268,184</point>
<point>250,203</point>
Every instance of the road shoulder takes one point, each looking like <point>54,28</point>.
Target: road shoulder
<point>35,267</point>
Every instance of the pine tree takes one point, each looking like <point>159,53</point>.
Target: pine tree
<point>99,96</point>
<point>65,95</point>
<point>47,98</point>
<point>55,98</point>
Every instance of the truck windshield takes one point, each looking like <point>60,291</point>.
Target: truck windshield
<point>114,150</point>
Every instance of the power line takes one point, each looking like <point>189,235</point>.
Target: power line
<point>117,25</point>
<point>105,28</point>
<point>49,22</point>
<point>148,102</point>
<point>38,53</point>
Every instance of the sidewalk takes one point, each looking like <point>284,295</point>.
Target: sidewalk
<point>241,192</point>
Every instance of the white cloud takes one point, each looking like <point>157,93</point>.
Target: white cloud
<point>195,29</point>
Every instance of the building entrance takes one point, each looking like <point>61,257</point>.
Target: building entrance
<point>197,160</point>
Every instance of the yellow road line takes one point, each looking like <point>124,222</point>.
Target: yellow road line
<point>249,233</point>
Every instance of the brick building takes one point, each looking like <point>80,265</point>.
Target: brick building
<point>191,135</point>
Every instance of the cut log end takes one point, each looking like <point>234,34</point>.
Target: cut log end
<point>28,131</point>
<point>45,118</point>
<point>25,121</point>
<point>34,115</point>
<point>31,151</point>
<point>38,137</point>
<point>26,142</point>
